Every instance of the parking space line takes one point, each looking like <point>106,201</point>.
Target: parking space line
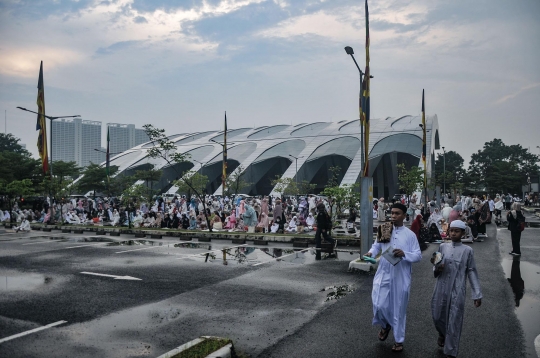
<point>22,334</point>
<point>41,242</point>
<point>148,248</point>
<point>204,253</point>
<point>279,258</point>
<point>74,247</point>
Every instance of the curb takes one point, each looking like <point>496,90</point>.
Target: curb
<point>223,352</point>
<point>201,236</point>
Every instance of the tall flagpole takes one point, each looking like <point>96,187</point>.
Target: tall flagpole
<point>224,174</point>
<point>424,154</point>
<point>108,162</point>
<point>366,182</point>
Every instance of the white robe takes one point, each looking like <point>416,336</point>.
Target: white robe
<point>391,284</point>
<point>25,226</point>
<point>448,302</point>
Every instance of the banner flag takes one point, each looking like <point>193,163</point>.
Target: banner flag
<point>41,124</point>
<point>365,99</point>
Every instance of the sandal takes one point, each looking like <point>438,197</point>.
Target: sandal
<point>383,333</point>
<point>397,347</point>
<point>440,341</point>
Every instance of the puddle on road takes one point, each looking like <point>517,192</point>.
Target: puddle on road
<point>194,245</point>
<point>22,281</point>
<point>524,278</point>
<point>337,292</point>
<point>135,242</point>
<point>249,255</point>
<point>89,239</point>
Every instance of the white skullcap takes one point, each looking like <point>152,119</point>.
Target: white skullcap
<point>458,223</point>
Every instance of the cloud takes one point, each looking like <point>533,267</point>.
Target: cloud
<point>118,46</point>
<point>140,20</point>
<point>178,63</point>
<point>21,62</point>
<point>517,93</point>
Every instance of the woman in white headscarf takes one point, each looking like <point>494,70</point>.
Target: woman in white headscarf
<point>310,221</point>
<point>115,218</point>
<point>292,225</point>
<point>435,218</point>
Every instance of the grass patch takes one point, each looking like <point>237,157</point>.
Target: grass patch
<point>203,348</point>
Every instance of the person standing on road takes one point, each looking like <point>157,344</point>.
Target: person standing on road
<point>515,219</point>
<point>324,227</point>
<point>448,302</point>
<point>391,284</point>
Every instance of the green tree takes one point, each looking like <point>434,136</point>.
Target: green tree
<point>120,183</point>
<point>62,169</point>
<point>192,179</point>
<point>333,175</point>
<point>10,143</point>
<point>455,171</point>
<point>341,197</point>
<point>16,189</point>
<point>500,167</point>
<point>165,149</point>
<point>94,178</point>
<point>16,163</point>
<point>289,186</point>
<point>150,176</point>
<point>305,187</point>
<point>284,186</point>
<point>410,180</point>
<point>235,183</point>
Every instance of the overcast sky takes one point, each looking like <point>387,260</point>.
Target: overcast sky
<point>180,64</point>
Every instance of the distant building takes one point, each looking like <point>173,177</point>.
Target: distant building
<point>74,140</point>
<point>125,136</point>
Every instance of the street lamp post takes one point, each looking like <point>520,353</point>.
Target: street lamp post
<point>444,170</point>
<point>366,182</point>
<point>195,160</point>
<point>296,176</point>
<point>51,137</point>
<point>349,50</point>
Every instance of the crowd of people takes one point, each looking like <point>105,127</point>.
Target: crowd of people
<point>235,213</point>
<point>431,222</point>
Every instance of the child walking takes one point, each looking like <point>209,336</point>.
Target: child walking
<point>448,302</point>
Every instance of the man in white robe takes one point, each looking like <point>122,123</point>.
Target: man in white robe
<point>391,284</point>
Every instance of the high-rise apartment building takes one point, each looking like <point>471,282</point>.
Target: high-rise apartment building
<point>125,136</point>
<point>74,140</point>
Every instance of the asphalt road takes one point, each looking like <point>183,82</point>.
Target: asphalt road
<point>525,269</point>
<point>268,308</point>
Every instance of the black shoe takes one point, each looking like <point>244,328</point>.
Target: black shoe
<point>512,253</point>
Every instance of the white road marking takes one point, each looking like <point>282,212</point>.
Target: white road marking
<point>279,258</point>
<point>204,253</point>
<point>148,248</point>
<point>73,247</point>
<point>40,242</point>
<point>114,276</point>
<point>144,248</point>
<point>31,331</point>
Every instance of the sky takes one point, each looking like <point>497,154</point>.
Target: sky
<point>180,64</point>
